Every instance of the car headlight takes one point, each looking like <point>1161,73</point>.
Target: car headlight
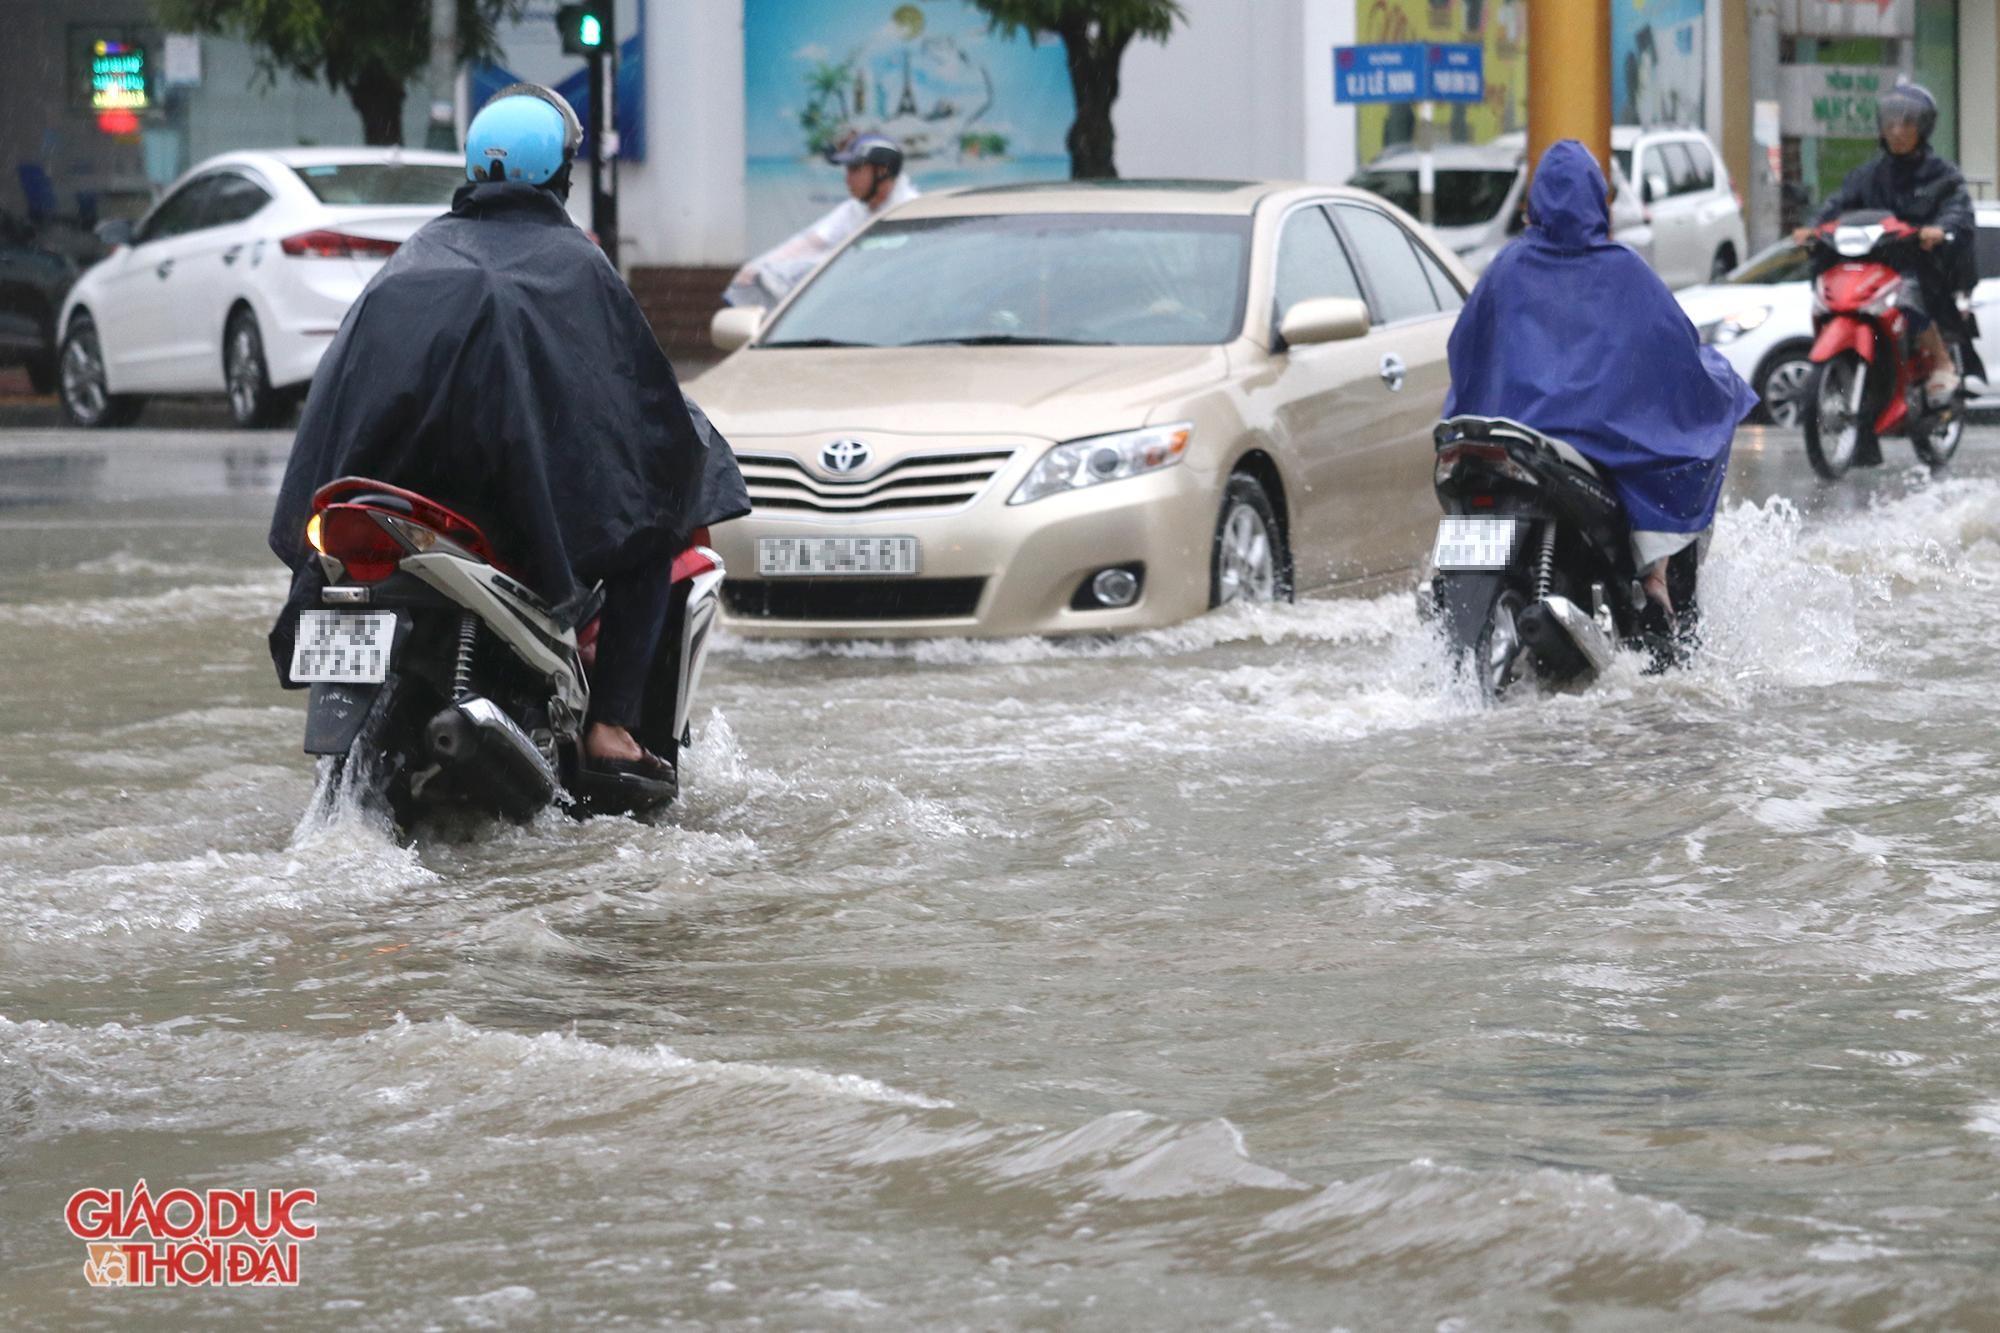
<point>1102,458</point>
<point>1732,326</point>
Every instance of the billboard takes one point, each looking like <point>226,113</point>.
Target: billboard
<point>968,107</point>
<point>1500,27</point>
<point>1659,62</point>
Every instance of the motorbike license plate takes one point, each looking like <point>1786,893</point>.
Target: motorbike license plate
<point>346,647</point>
<point>1474,543</point>
<point>792,557</point>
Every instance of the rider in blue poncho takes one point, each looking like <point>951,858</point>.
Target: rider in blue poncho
<point>1572,334</point>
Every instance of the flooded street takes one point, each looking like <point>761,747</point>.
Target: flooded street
<point>1244,975</point>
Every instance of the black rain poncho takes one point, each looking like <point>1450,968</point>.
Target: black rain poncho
<point>1923,190</point>
<point>499,365</point>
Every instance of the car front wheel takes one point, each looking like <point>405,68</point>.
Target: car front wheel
<point>1781,386</point>
<point>87,400</point>
<point>1249,561</point>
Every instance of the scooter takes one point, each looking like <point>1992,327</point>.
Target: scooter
<point>1534,576</point>
<point>1868,373</point>
<point>439,680</point>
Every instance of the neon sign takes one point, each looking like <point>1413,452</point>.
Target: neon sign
<point>118,76</point>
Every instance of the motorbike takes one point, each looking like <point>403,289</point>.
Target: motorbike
<point>1868,374</point>
<point>1533,572</point>
<point>440,681</point>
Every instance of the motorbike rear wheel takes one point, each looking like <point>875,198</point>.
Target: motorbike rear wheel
<point>1499,652</point>
<point>1836,422</point>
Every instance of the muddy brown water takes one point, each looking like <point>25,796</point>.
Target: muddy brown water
<point>1245,975</point>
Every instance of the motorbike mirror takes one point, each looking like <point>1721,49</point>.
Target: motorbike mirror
<point>733,326</point>
<point>1325,320</point>
<point>116,232</point>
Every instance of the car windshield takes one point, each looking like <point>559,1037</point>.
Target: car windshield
<point>1623,157</point>
<point>1465,198</point>
<point>344,183</point>
<point>1127,279</point>
<point>1783,262</point>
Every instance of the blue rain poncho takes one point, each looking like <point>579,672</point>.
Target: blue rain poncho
<point>1569,332</point>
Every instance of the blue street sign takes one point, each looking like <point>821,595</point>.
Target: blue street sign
<point>1391,72</point>
<point>1456,72</point>
<point>1409,72</point>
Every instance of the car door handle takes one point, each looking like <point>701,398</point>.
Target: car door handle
<point>166,267</point>
<point>1394,372</point>
<point>229,255</point>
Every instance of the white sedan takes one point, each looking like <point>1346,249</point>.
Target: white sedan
<point>238,278</point>
<point>1760,318</point>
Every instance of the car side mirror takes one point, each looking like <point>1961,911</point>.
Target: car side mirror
<point>1329,319</point>
<point>1656,188</point>
<point>734,325</point>
<point>117,232</point>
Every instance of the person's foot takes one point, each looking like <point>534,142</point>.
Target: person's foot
<point>604,741</point>
<point>1942,386</point>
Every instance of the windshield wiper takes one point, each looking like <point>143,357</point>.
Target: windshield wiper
<point>1005,340</point>
<point>816,342</point>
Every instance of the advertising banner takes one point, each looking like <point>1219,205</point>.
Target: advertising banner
<point>1832,101</point>
<point>1659,62</point>
<point>1500,27</point>
<point>967,107</point>
<point>1847,18</point>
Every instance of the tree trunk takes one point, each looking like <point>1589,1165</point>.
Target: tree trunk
<point>1093,77</point>
<point>378,96</point>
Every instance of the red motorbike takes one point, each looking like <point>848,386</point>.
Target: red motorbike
<point>1869,372</point>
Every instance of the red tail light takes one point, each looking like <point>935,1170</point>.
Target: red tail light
<point>325,244</point>
<point>351,535</point>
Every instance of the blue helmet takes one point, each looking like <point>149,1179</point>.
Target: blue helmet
<point>525,132</point>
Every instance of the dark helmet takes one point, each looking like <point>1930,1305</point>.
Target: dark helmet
<point>876,150</point>
<point>1904,103</point>
<point>525,132</point>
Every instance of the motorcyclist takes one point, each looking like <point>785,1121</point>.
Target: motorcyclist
<point>1927,192</point>
<point>875,182</point>
<point>1571,334</point>
<point>500,365</point>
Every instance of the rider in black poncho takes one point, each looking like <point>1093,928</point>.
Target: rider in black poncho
<point>1910,180</point>
<point>499,365</point>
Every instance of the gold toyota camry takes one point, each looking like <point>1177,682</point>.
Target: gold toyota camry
<point>1086,408</point>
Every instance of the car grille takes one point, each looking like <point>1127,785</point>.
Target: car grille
<point>926,481</point>
<point>853,599</point>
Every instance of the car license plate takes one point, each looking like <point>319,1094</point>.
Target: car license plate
<point>1474,543</point>
<point>789,557</point>
<point>349,647</point>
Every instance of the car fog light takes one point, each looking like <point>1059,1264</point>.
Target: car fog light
<point>1115,587</point>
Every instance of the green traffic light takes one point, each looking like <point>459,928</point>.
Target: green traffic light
<point>591,31</point>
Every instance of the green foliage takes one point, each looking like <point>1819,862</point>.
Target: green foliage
<point>1117,21</point>
<point>369,49</point>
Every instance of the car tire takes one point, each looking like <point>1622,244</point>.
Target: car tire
<point>1249,560</point>
<point>1723,264</point>
<point>1782,382</point>
<point>253,403</point>
<point>87,400</point>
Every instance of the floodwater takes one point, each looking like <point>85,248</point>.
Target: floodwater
<point>1247,975</point>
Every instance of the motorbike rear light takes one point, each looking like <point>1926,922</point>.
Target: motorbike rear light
<point>420,520</point>
<point>351,535</point>
<point>323,243</point>
<point>1482,502</point>
<point>1494,457</point>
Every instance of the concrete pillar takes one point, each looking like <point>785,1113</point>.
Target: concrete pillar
<point>1765,191</point>
<point>1569,76</point>
<point>1979,93</point>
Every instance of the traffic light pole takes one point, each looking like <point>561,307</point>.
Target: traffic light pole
<point>604,149</point>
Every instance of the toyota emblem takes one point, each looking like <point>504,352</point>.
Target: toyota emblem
<point>844,457</point>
